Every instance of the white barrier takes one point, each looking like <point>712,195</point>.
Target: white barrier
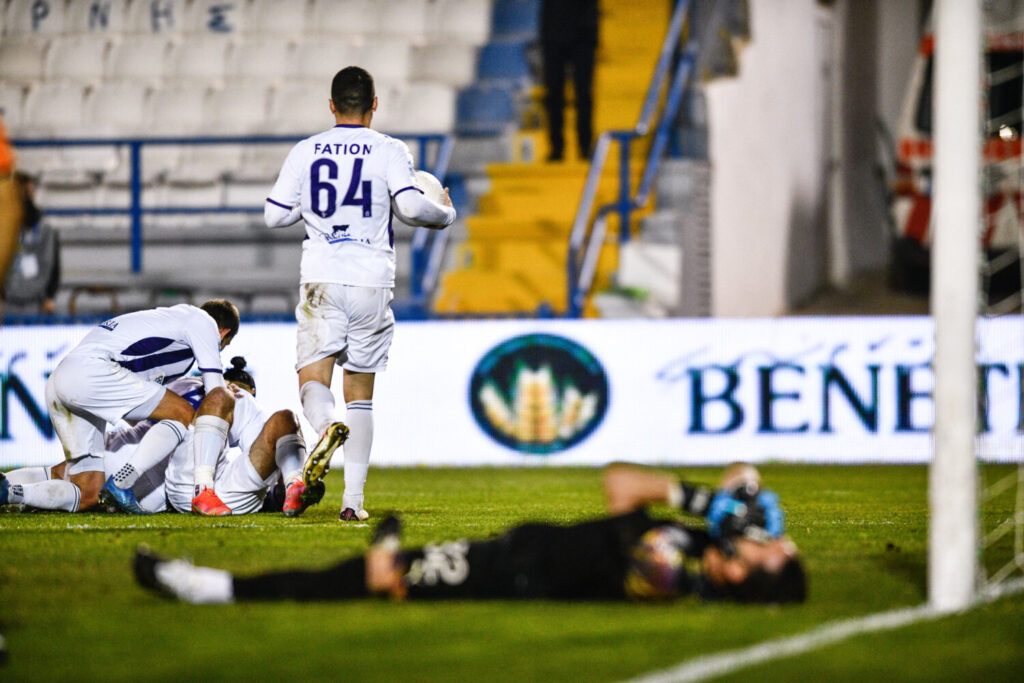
<point>555,392</point>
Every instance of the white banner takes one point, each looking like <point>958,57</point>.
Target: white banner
<point>557,392</point>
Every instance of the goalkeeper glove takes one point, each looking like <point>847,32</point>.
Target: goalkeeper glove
<point>744,513</point>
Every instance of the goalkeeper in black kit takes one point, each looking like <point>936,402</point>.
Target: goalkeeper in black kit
<point>740,554</point>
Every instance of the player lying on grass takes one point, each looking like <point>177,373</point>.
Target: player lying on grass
<point>742,555</point>
<point>270,447</point>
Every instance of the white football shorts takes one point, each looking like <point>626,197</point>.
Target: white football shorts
<point>85,393</point>
<point>356,323</point>
<point>237,484</point>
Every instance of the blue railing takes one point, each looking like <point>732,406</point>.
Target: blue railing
<point>427,246</point>
<point>587,237</point>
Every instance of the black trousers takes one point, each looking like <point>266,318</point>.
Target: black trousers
<point>585,561</point>
<point>558,56</point>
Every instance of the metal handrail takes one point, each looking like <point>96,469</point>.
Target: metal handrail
<point>135,210</point>
<point>428,246</point>
<point>580,233</point>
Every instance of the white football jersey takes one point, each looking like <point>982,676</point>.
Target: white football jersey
<point>249,419</point>
<point>159,344</point>
<point>343,180</point>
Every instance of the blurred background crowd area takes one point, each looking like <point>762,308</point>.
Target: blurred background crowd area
<point>787,172</point>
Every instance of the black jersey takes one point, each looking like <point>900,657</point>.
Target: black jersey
<point>586,561</point>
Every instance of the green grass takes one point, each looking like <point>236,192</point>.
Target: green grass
<point>70,610</point>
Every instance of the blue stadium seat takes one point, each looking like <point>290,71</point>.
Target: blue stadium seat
<point>504,63</point>
<point>518,19</point>
<point>485,110</point>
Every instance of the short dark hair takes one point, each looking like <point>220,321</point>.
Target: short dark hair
<point>237,374</point>
<point>789,584</point>
<point>352,91</point>
<point>224,313</point>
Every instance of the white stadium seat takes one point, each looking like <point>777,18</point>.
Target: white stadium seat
<point>204,164</point>
<point>141,58</point>
<point>386,60</point>
<point>166,17</point>
<point>35,17</point>
<point>54,110</point>
<point>459,21</point>
<point>22,59</point>
<point>199,60</point>
<point>260,60</point>
<point>301,108</point>
<point>118,109</point>
<point>12,100</point>
<point>406,19</point>
<point>178,110</point>
<point>156,162</point>
<point>239,109</point>
<point>260,164</point>
<point>80,59</point>
<point>425,108</point>
<point>351,20</point>
<point>448,63</point>
<point>97,16</point>
<point>65,195</point>
<point>319,60</point>
<point>283,18</point>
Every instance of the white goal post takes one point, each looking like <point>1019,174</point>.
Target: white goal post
<point>956,213</point>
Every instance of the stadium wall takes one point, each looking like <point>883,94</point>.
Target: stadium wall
<point>793,140</point>
<point>571,392</point>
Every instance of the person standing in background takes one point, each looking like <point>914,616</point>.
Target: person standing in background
<point>568,38</point>
<point>34,275</point>
<point>10,207</point>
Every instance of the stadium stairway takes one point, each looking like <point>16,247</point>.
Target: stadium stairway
<point>514,257</point>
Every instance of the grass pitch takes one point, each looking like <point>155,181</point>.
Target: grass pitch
<point>70,610</point>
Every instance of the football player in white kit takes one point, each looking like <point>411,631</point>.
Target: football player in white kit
<point>268,446</point>
<point>117,372</point>
<point>341,183</point>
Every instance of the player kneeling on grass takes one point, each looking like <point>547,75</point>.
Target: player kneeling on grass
<point>741,555</point>
<point>270,446</point>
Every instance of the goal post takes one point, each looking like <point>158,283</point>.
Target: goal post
<point>953,528</point>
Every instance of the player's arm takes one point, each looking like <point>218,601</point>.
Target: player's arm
<point>203,337</point>
<point>628,487</point>
<point>414,204</point>
<point>401,177</point>
<point>284,205</point>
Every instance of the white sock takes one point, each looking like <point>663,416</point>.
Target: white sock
<point>317,405</point>
<point>359,418</point>
<point>290,454</point>
<point>55,494</point>
<point>208,439</point>
<point>197,585</point>
<point>28,475</point>
<point>157,444</point>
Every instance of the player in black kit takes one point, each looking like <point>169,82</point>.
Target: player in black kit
<point>741,555</point>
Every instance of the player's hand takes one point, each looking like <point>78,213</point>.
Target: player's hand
<point>447,199</point>
<point>750,514</point>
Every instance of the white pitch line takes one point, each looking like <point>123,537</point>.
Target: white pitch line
<point>703,668</point>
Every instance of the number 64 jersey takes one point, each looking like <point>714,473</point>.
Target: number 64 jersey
<point>341,182</point>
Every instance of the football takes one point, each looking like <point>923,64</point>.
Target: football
<point>432,189</point>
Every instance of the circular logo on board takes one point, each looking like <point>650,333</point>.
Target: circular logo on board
<point>538,393</point>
